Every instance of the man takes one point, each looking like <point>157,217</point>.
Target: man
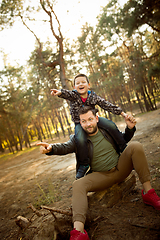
<point>108,166</point>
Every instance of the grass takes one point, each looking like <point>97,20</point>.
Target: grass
<point>46,197</point>
<point>9,156</point>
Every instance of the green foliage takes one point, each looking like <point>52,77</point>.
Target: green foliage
<point>120,58</point>
<point>9,9</point>
<point>154,71</point>
<point>139,12</point>
<point>125,70</point>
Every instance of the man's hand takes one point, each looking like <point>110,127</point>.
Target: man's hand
<point>130,121</point>
<point>55,92</point>
<point>44,147</point>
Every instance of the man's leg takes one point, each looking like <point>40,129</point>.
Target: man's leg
<point>135,154</point>
<point>95,181</point>
<point>92,182</point>
<point>132,157</point>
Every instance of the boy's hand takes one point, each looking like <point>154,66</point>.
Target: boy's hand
<point>123,114</point>
<point>55,92</point>
<point>44,147</point>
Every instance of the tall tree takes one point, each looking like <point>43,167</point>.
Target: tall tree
<point>10,12</point>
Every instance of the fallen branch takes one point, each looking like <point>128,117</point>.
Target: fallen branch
<point>38,213</point>
<point>68,213</point>
<point>22,222</point>
<point>143,226</point>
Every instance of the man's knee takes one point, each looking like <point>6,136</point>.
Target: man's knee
<point>136,146</point>
<point>77,184</point>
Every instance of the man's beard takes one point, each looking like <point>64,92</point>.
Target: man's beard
<point>94,129</point>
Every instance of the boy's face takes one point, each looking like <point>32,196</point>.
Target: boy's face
<point>81,85</point>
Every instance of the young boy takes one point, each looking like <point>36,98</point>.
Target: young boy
<point>79,97</point>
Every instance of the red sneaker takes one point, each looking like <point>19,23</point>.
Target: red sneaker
<point>76,235</point>
<point>151,198</point>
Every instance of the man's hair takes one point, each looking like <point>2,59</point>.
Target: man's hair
<point>80,75</point>
<point>86,109</point>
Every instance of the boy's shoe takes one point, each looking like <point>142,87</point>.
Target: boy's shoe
<point>76,235</point>
<point>151,198</point>
<point>81,171</point>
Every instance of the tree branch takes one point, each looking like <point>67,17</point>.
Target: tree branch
<point>39,50</point>
<point>40,45</point>
<point>59,28</point>
<point>57,210</point>
<point>50,16</point>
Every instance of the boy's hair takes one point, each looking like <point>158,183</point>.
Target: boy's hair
<point>80,75</point>
<point>86,109</point>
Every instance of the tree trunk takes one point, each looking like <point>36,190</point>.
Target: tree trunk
<point>112,195</point>
<point>68,124</point>
<point>48,127</point>
<point>42,132</point>
<point>38,132</point>
<point>60,121</point>
<point>26,139</point>
<point>139,102</point>
<point>20,139</point>
<point>11,139</point>
<point>54,124</point>
<point>1,147</point>
<point>145,100</point>
<point>149,99</point>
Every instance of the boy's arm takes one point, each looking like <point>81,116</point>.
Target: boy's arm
<point>123,114</point>
<point>55,92</point>
<point>110,107</point>
<point>107,105</point>
<point>64,93</point>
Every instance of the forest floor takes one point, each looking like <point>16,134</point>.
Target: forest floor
<point>33,178</point>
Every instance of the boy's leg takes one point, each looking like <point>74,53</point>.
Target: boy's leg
<point>82,151</point>
<point>113,131</point>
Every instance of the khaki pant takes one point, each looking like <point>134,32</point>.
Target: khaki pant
<point>133,157</point>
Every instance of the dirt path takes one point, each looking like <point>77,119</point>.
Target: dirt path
<point>40,179</point>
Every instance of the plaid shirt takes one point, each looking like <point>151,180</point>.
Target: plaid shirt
<point>92,100</point>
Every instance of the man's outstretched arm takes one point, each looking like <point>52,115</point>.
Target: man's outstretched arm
<point>58,148</point>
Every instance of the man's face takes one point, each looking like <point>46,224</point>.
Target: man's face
<point>89,123</point>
